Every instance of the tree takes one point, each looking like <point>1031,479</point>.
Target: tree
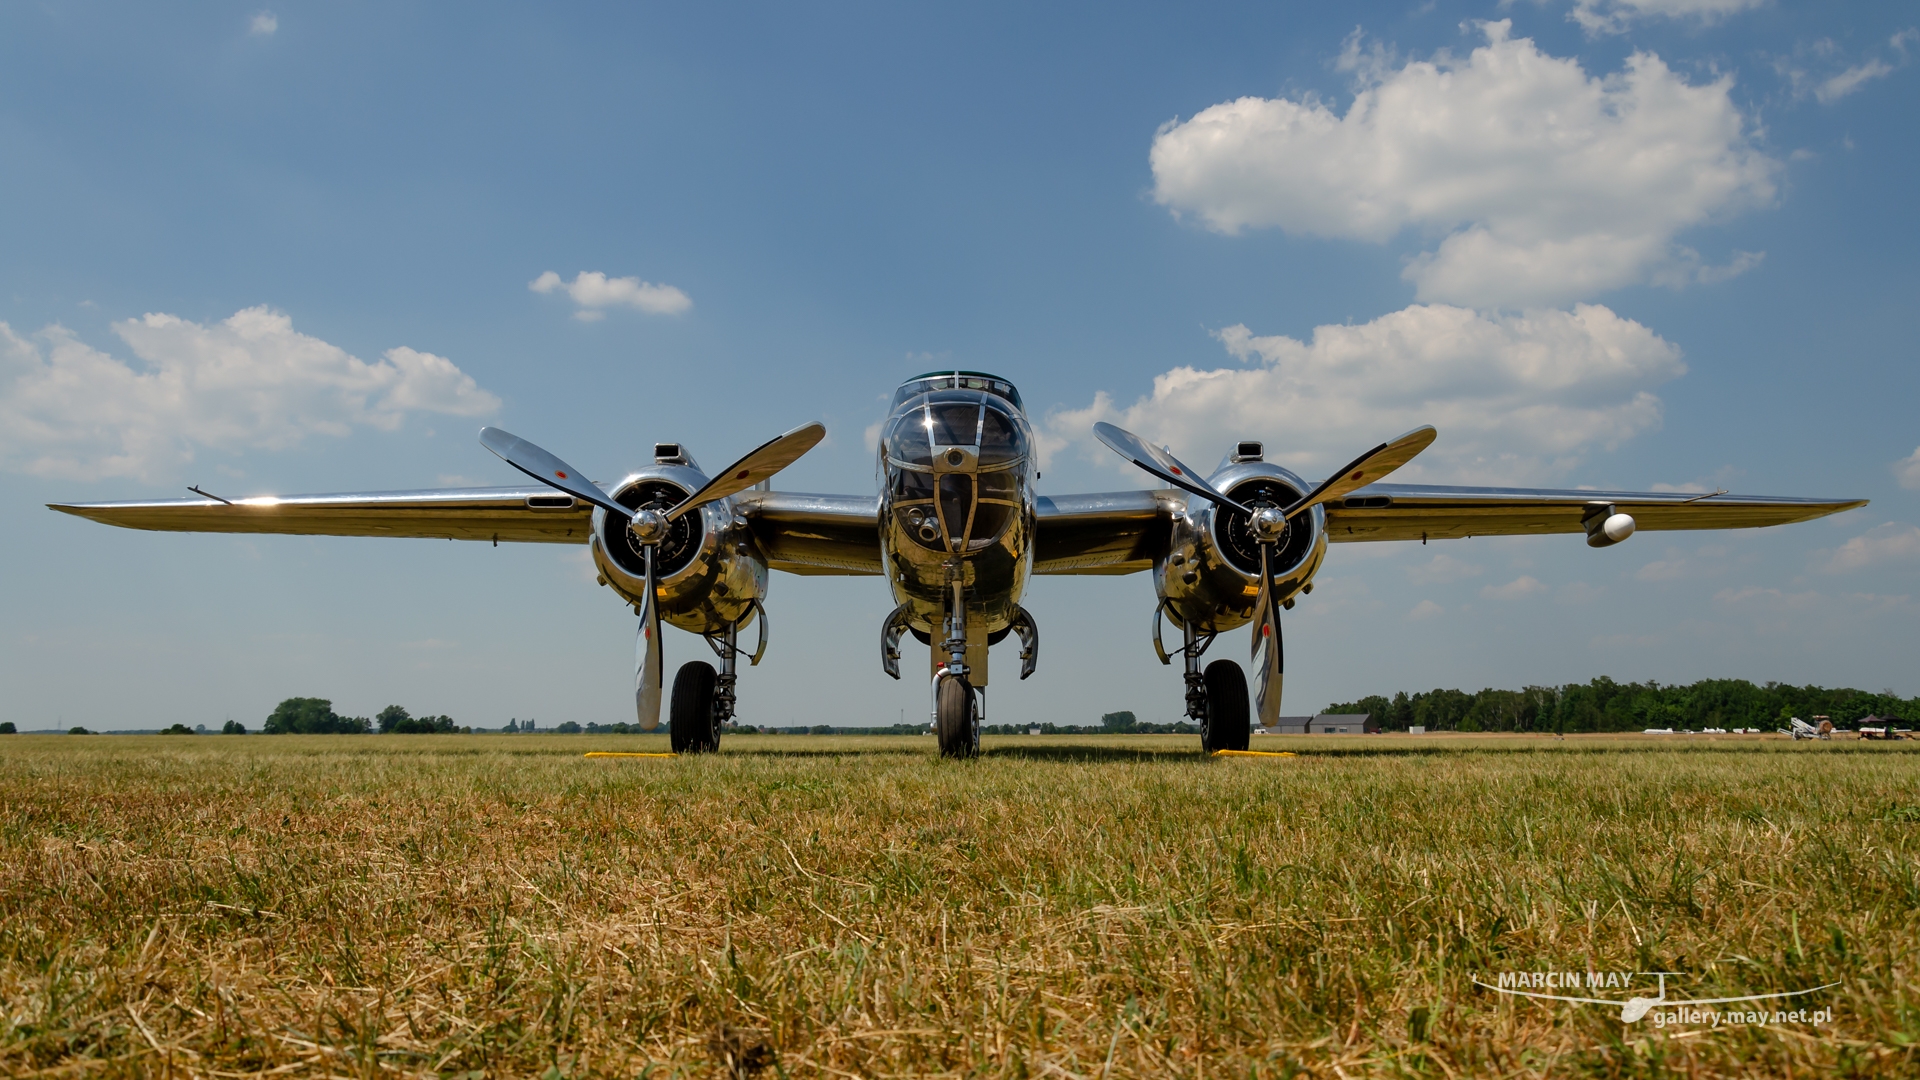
<point>233,727</point>
<point>1119,723</point>
<point>6,727</point>
<point>568,728</point>
<point>178,729</point>
<point>78,730</point>
<point>395,721</point>
<point>313,716</point>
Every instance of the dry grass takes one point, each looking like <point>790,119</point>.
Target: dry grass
<point>498,906</point>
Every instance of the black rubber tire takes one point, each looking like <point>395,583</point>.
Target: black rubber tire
<point>1228,712</point>
<point>691,711</point>
<point>954,723</point>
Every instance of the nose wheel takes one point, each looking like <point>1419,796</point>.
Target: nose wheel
<point>956,723</point>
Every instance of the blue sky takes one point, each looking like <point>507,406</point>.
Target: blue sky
<point>1621,243</point>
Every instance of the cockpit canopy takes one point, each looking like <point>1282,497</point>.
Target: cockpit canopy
<point>955,380</point>
<point>948,420</point>
<point>956,460</point>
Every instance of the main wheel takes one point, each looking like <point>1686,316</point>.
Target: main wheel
<point>1226,727</point>
<point>691,712</point>
<point>953,719</point>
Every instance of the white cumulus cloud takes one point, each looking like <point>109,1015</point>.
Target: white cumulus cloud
<point>1614,16</point>
<point>264,24</point>
<point>1516,397</point>
<point>1523,586</point>
<point>1907,471</point>
<point>1442,569</point>
<point>594,291</point>
<point>1547,184</point>
<point>69,410</point>
<point>1893,542</point>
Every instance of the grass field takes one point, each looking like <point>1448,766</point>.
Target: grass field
<point>1091,907</point>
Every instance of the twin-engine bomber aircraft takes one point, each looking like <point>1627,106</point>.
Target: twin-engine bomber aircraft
<point>957,528</point>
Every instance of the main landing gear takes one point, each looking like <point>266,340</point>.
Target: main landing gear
<point>703,698</point>
<point>1217,697</point>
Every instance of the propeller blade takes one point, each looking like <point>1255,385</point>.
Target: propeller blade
<point>758,465</point>
<point>1368,468</point>
<point>549,470</point>
<point>1160,463</point>
<point>1267,630</point>
<point>648,672</point>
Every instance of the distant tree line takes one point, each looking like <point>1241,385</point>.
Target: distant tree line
<point>315,716</point>
<point>1606,705</point>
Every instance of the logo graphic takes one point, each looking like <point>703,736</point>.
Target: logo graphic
<point>1636,1008</point>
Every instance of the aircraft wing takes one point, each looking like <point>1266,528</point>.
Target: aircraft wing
<point>1106,533</point>
<point>815,534</point>
<point>533,514</point>
<point>1114,532</point>
<point>1423,511</point>
<point>801,534</point>
<point>1122,532</point>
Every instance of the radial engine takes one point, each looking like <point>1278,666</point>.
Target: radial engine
<point>710,572</point>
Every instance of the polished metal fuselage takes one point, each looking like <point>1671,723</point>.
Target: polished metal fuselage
<point>957,502</point>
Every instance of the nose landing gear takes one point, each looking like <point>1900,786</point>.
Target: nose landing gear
<point>956,722</point>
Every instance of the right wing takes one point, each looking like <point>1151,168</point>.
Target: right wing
<point>536,514</point>
<point>1112,532</point>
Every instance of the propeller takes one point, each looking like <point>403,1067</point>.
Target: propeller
<point>650,526</point>
<point>1269,526</point>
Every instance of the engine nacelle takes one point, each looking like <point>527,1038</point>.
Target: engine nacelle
<point>1210,575</point>
<point>710,569</point>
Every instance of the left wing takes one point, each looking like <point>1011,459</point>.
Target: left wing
<point>801,534</point>
<point>536,514</point>
<point>1426,511</point>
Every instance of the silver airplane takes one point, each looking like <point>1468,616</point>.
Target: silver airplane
<point>957,528</point>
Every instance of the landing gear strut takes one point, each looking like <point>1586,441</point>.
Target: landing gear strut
<point>703,698</point>
<point>1217,697</point>
<point>956,711</point>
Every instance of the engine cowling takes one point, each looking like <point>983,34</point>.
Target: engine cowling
<point>1210,575</point>
<point>710,570</point>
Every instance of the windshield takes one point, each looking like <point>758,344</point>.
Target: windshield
<point>955,459</point>
<point>960,418</point>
